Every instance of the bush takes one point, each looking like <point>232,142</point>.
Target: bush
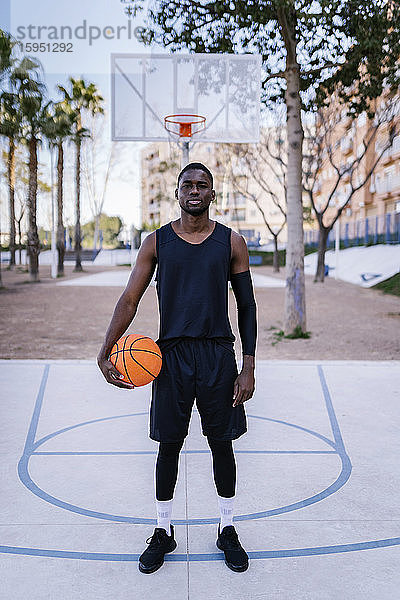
<point>268,257</point>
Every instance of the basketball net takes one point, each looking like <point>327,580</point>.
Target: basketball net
<point>181,128</point>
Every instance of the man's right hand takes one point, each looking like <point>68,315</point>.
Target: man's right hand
<point>111,374</point>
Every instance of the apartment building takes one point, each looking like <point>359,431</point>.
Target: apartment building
<point>237,192</point>
<point>375,207</point>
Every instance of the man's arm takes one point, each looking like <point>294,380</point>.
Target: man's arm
<point>126,308</point>
<point>247,321</point>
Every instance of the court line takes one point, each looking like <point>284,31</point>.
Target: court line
<point>329,407</point>
<point>30,438</point>
<point>154,452</point>
<point>83,424</point>
<point>263,554</point>
<point>339,548</point>
<point>23,470</point>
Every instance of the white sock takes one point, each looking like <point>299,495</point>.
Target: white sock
<point>164,513</point>
<point>226,511</point>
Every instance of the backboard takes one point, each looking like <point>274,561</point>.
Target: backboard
<point>225,88</point>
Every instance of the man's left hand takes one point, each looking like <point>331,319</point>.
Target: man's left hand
<point>244,385</point>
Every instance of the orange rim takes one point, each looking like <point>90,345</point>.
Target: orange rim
<point>185,126</point>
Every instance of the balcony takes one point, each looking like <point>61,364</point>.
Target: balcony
<point>388,185</point>
<point>387,156</point>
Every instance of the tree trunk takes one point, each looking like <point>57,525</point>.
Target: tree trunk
<point>19,242</point>
<point>78,246</point>
<point>322,241</point>
<point>60,210</point>
<point>1,280</point>
<point>11,194</point>
<point>96,231</point>
<point>33,238</point>
<point>276,255</point>
<point>295,310</point>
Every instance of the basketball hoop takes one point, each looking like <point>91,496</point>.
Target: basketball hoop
<point>184,126</point>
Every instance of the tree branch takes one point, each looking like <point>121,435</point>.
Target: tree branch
<point>287,37</point>
<point>329,65</point>
<point>280,74</point>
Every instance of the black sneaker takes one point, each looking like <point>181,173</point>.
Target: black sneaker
<point>235,557</point>
<point>159,544</point>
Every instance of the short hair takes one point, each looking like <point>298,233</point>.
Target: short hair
<point>198,166</point>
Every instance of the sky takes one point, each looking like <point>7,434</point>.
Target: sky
<point>90,35</point>
<point>76,39</point>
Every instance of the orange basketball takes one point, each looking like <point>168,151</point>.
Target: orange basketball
<point>137,358</point>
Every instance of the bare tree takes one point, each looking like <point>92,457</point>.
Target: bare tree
<point>21,183</point>
<point>20,192</point>
<point>258,172</point>
<point>19,215</point>
<point>323,150</point>
<point>98,163</point>
<point>101,162</point>
<point>83,99</point>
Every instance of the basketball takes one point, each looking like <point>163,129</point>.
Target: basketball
<point>137,358</point>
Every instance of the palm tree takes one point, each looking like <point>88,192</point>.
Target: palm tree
<point>12,68</point>
<point>59,126</point>
<point>11,128</point>
<point>82,97</point>
<point>6,60</point>
<point>30,93</point>
<point>6,50</point>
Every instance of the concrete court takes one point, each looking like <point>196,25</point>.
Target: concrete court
<point>318,501</point>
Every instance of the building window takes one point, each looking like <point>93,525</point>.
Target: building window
<point>239,215</point>
<point>239,199</point>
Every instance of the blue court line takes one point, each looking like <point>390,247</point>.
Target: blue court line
<point>329,406</point>
<point>23,470</point>
<point>30,438</point>
<point>263,554</point>
<point>83,424</point>
<point>135,452</point>
<point>339,548</point>
<point>305,429</point>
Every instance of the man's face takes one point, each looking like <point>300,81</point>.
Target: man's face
<point>194,193</point>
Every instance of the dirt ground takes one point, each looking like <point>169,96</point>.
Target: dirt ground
<point>45,320</point>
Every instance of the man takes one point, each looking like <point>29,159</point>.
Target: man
<point>195,258</point>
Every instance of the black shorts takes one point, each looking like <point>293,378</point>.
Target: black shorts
<point>199,368</point>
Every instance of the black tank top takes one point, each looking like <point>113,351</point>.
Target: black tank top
<point>192,286</point>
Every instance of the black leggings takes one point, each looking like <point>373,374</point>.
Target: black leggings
<point>224,468</point>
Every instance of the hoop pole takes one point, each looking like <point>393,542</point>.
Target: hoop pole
<point>185,154</point>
